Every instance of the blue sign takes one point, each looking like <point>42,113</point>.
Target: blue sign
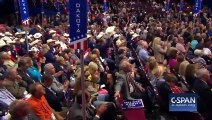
<point>183,102</point>
<point>168,5</point>
<point>133,104</point>
<point>105,5</point>
<point>197,6</point>
<point>78,19</point>
<point>181,5</point>
<point>24,10</point>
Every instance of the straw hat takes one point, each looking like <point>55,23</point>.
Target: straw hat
<point>8,40</point>
<point>2,43</point>
<point>57,43</point>
<point>34,49</point>
<point>2,35</point>
<point>50,40</point>
<point>8,34</point>
<point>37,35</point>
<point>101,34</point>
<point>134,36</point>
<point>66,35</point>
<point>52,31</point>
<point>34,42</point>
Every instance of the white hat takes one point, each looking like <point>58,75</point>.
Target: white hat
<point>135,35</point>
<point>22,40</point>
<point>66,35</point>
<point>37,35</point>
<point>89,35</point>
<point>6,38</point>
<point>110,29</point>
<point>8,34</point>
<point>23,32</point>
<point>52,31</point>
<point>34,42</point>
<point>39,26</point>
<point>101,34</point>
<point>132,32</point>
<point>2,43</point>
<point>50,40</point>
<point>34,49</point>
<point>18,33</point>
<point>116,36</point>
<point>2,35</point>
<point>57,43</point>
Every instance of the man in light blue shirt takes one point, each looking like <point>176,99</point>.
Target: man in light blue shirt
<point>143,53</point>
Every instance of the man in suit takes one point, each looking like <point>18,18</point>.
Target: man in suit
<point>75,112</point>
<point>202,88</point>
<point>125,83</point>
<point>54,98</point>
<point>49,69</point>
<point>23,64</point>
<point>14,84</point>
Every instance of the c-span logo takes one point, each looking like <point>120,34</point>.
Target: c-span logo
<point>183,102</point>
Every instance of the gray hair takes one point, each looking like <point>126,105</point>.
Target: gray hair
<point>201,72</point>
<point>46,67</point>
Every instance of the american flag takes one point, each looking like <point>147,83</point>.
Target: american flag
<point>78,24</point>
<point>26,22</point>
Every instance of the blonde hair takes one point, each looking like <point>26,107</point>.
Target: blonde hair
<point>182,68</point>
<point>93,67</point>
<point>156,41</point>
<point>45,49</point>
<point>93,57</point>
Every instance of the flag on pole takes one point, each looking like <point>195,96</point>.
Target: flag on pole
<point>78,24</point>
<point>181,5</point>
<point>23,7</point>
<point>88,5</point>
<point>197,7</point>
<point>168,2</point>
<point>105,5</point>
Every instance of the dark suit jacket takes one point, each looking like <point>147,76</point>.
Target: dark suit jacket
<point>50,58</point>
<point>204,92</point>
<point>25,77</point>
<point>75,113</point>
<point>54,100</point>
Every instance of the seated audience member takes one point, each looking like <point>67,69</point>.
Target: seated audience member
<point>59,65</point>
<point>143,52</point>
<point>202,88</point>
<point>53,98</point>
<point>39,105</point>
<point>198,58</point>
<point>190,74</point>
<point>3,67</point>
<point>75,112</point>
<point>56,85</point>
<point>35,70</point>
<point>6,98</point>
<point>172,57</point>
<point>19,110</point>
<point>14,84</point>
<point>171,81</point>
<point>23,64</point>
<point>7,60</point>
<point>182,68</point>
<point>159,48</point>
<point>180,59</point>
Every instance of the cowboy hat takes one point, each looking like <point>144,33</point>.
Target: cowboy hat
<point>34,42</point>
<point>52,31</point>
<point>50,40</point>
<point>101,34</point>
<point>66,35</point>
<point>134,36</point>
<point>37,35</point>
<point>8,34</point>
<point>2,43</point>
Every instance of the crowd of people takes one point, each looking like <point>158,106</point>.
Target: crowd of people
<point>133,54</point>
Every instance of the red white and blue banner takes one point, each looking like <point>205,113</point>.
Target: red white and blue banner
<point>197,7</point>
<point>24,12</point>
<point>78,24</point>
